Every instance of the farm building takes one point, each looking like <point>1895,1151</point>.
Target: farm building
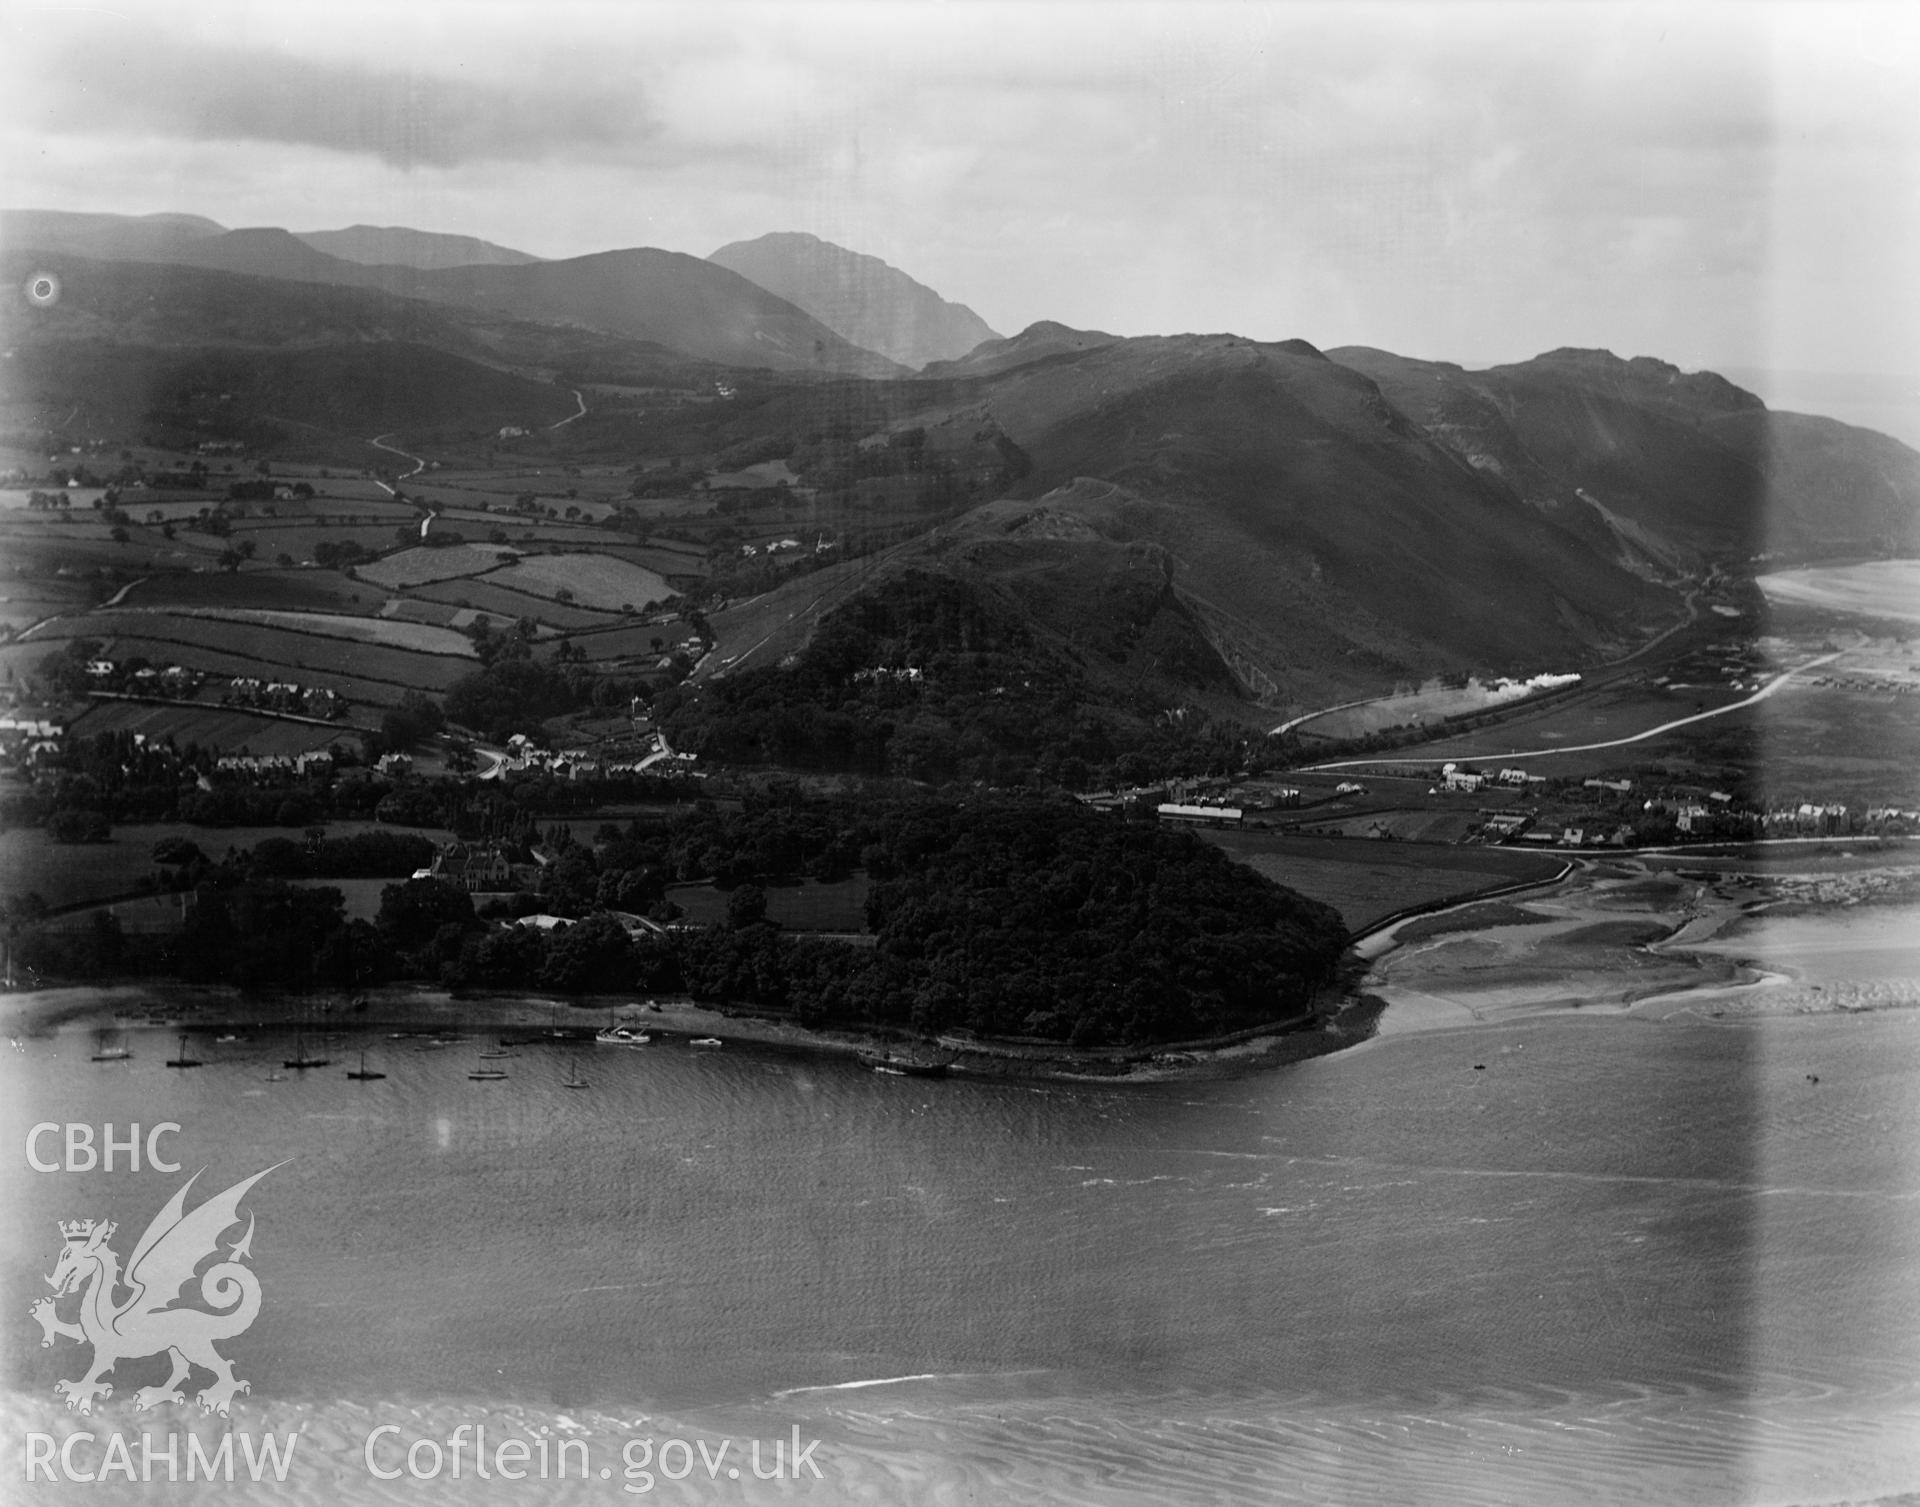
<point>1205,815</point>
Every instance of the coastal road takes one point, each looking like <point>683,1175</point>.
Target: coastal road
<point>1653,732</point>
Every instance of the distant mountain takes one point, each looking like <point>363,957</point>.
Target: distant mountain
<point>682,302</point>
<point>871,304</point>
<point>112,237</point>
<point>1043,341</point>
<point>398,246</point>
<point>664,296</point>
<point>152,347</point>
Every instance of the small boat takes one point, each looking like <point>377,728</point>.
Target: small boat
<point>487,1074</point>
<point>276,1076</point>
<point>499,1051</point>
<point>183,1060</point>
<point>300,1061</point>
<point>906,1065</point>
<point>706,1041</point>
<point>361,1074</point>
<point>230,1036</point>
<point>622,1036</point>
<point>117,1051</point>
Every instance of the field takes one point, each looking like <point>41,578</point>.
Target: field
<point>1367,881</point>
<point>398,621</point>
<point>274,590</point>
<point>482,595</point>
<point>199,640</point>
<point>593,580</point>
<point>211,727</point>
<point>416,567</point>
<point>64,875</point>
<point>802,907</point>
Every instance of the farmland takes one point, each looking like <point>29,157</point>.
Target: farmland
<point>841,906</point>
<point>80,873</point>
<point>483,595</point>
<point>416,567</point>
<point>1367,881</point>
<point>207,726</point>
<point>294,648</point>
<point>592,580</point>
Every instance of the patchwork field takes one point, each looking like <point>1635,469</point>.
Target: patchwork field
<point>591,580</point>
<point>270,644</point>
<point>481,595</point>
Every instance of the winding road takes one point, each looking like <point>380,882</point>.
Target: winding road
<point>572,416</point>
<point>379,442</point>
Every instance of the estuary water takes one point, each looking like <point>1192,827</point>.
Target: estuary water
<point>1563,1259</point>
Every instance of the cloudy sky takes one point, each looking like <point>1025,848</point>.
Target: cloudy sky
<point>1728,186</point>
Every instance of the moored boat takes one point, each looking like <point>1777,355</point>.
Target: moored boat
<point>906,1064</point>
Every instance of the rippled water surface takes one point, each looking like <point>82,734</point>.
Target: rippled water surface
<point>1566,1259</point>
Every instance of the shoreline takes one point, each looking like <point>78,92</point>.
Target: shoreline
<point>1578,953</point>
<point>166,1006</point>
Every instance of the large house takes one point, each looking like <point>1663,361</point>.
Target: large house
<point>472,866</point>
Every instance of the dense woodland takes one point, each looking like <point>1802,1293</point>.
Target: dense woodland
<point>928,677</point>
<point>1010,917</point>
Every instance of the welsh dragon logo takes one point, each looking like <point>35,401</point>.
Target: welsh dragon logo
<point>148,1321</point>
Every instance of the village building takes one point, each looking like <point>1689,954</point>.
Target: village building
<point>472,866</point>
<point>1216,816</point>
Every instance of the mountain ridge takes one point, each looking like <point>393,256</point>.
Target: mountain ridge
<point>868,301</point>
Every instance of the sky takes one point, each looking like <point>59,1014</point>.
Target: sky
<point>1717,185</point>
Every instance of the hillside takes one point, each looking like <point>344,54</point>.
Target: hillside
<point>399,246</point>
<point>1661,469</point>
<point>677,301</point>
<point>862,298</point>
<point>1330,536</point>
<point>1043,341</point>
<point>132,348</point>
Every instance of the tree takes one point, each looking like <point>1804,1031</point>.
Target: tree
<point>746,906</point>
<point>412,722</point>
<point>413,912</point>
<point>70,826</point>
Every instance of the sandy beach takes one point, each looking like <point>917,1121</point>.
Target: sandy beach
<point>1620,936</point>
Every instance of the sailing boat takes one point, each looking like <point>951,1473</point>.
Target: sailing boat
<point>574,1080</point>
<point>361,1072</point>
<point>300,1059</point>
<point>183,1060</point>
<point>119,1051</point>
